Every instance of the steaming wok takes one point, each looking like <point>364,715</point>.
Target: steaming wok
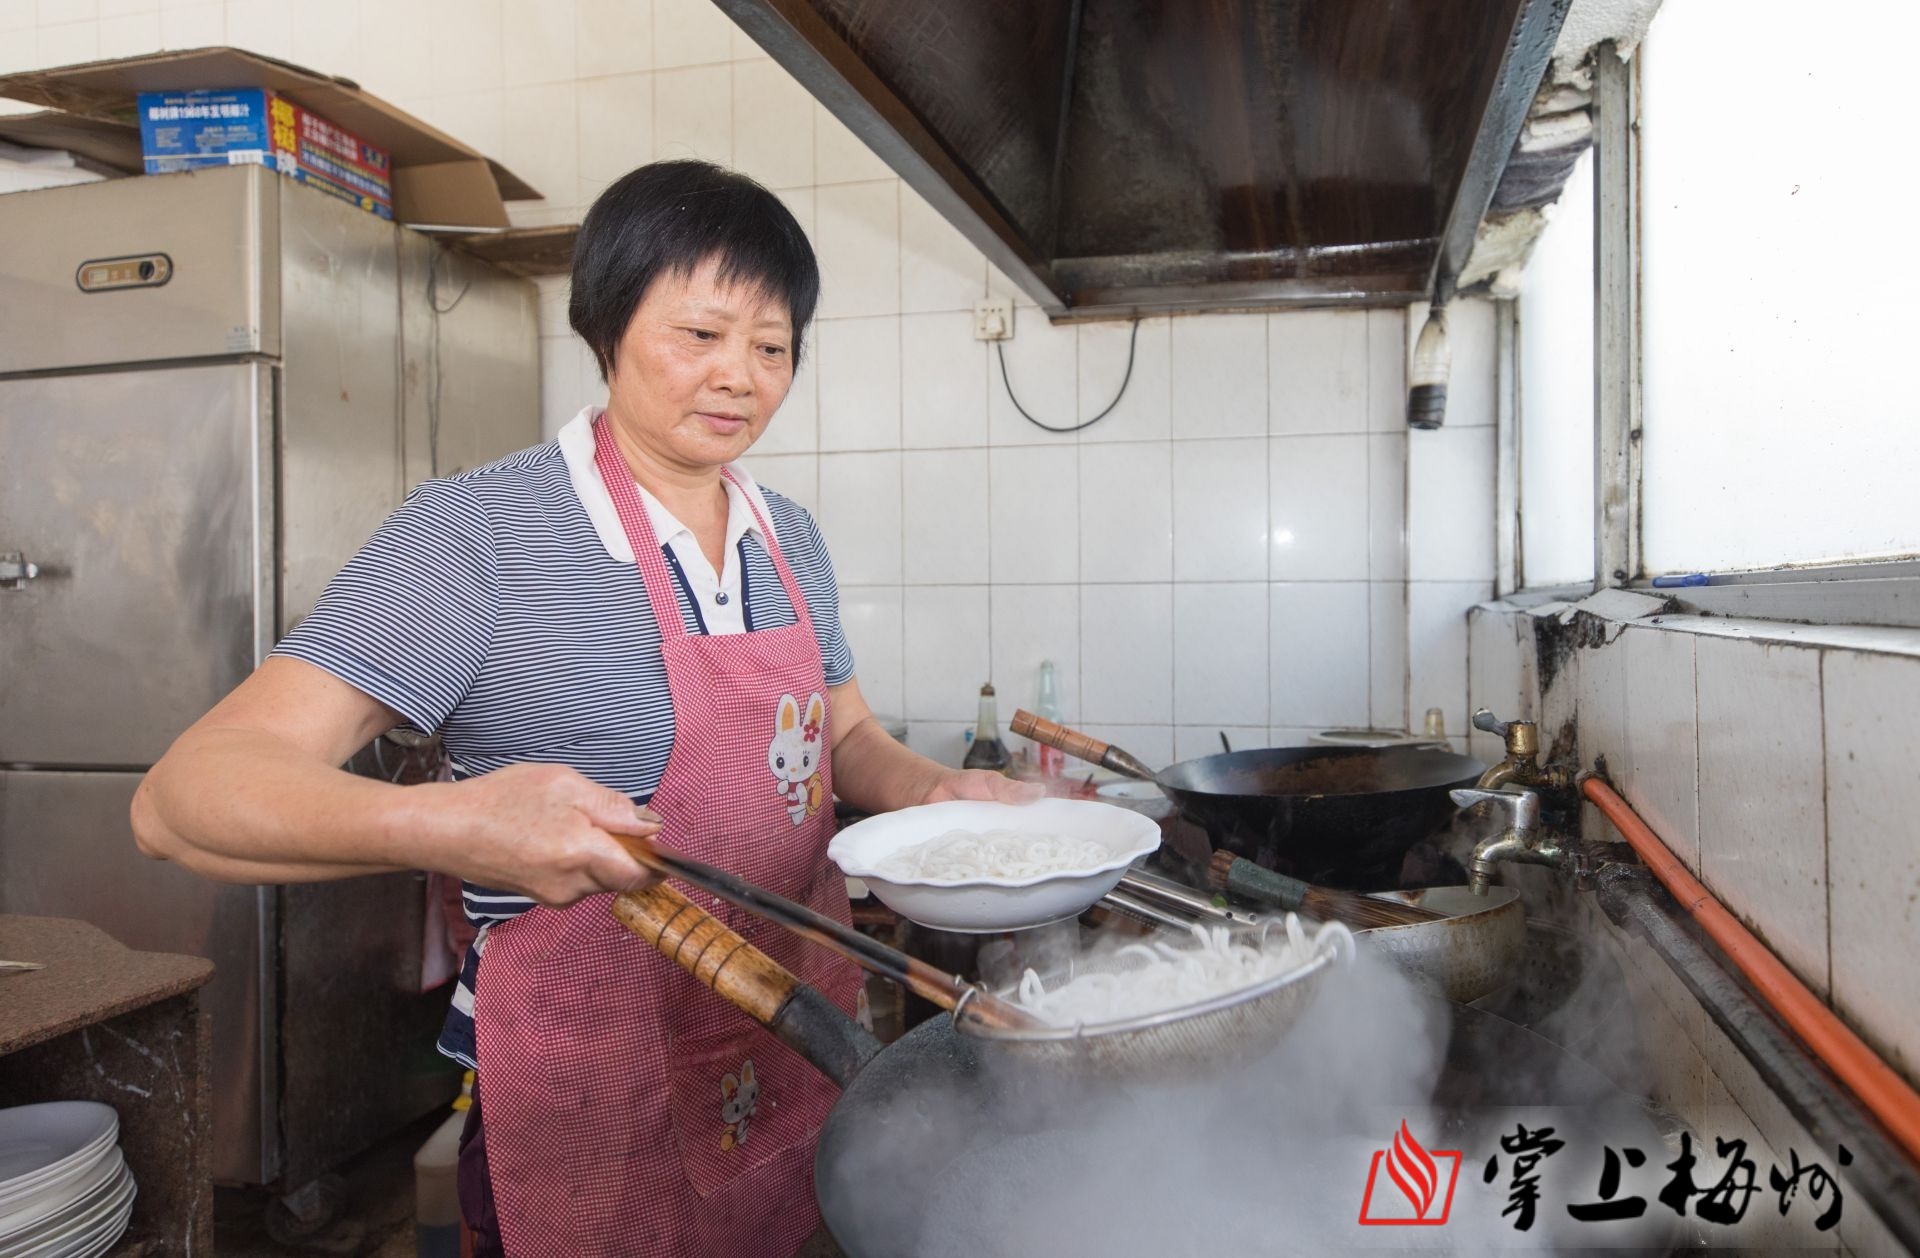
<point>919,1122</point>
<point>1337,816</point>
<point>930,1153</point>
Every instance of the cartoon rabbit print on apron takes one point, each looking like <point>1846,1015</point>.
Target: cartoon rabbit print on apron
<point>794,755</point>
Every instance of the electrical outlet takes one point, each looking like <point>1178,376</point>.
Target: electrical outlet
<point>993,319</point>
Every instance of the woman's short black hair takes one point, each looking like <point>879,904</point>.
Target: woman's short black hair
<point>668,218</point>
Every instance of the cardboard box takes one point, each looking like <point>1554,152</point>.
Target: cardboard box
<point>189,130</point>
<point>436,180</point>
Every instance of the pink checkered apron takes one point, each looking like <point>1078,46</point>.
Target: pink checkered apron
<point>629,1111</point>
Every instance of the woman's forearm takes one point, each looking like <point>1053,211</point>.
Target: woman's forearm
<point>243,806</point>
<point>875,773</point>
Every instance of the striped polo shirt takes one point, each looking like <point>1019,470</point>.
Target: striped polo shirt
<point>502,607</point>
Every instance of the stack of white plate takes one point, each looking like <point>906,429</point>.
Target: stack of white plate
<point>65,1191</point>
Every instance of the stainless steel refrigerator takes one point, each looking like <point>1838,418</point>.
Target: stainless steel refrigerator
<point>213,386</point>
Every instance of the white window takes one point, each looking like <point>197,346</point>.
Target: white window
<point>1555,344</point>
<point>1778,333</point>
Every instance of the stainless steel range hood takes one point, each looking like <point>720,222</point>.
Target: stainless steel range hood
<point>1123,156</point>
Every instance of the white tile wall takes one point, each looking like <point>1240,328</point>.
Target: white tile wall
<point>1318,661</point>
<point>860,509</point>
<point>1661,777</point>
<point>858,237</point>
<point>1449,482</point>
<point>947,630</point>
<point>1437,647</point>
<point>1034,515</point>
<point>859,366</point>
<point>1219,375</point>
<point>772,125</point>
<point>1141,412</point>
<point>69,43</point>
<point>690,33</point>
<point>1317,372</point>
<point>872,617</point>
<point>944,401</point>
<point>939,269</point>
<point>1220,509</point>
<point>1042,368</point>
<point>1032,623</point>
<point>1782,774</point>
<point>538,43</point>
<point>946,520</point>
<point>693,115</point>
<point>969,531</point>
<point>1126,652</point>
<point>1126,512</point>
<point>1762,778</point>
<point>1873,861</point>
<point>1387,506</point>
<point>613,36</point>
<point>1317,519</point>
<point>1219,654</point>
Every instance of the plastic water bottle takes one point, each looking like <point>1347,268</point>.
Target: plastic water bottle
<point>436,1196</point>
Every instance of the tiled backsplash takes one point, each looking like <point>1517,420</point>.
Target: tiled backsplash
<point>1777,762</point>
<point>1227,551</point>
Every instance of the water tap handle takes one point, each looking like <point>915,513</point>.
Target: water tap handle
<point>1521,737</point>
<point>1521,807</point>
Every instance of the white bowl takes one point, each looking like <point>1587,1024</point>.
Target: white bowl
<point>982,905</point>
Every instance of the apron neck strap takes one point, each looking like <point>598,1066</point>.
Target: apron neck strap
<point>787,579</point>
<point>618,478</point>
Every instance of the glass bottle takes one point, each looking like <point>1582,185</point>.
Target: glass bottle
<point>987,751</point>
<point>1051,760</point>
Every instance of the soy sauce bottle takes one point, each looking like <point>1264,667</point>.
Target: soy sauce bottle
<point>987,751</point>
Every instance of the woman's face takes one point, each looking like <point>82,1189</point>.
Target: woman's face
<point>701,368</point>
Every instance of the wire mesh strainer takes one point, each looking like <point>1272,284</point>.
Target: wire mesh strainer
<point>1219,1030</point>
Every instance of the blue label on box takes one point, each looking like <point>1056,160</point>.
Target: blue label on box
<point>202,125</point>
<point>190,130</point>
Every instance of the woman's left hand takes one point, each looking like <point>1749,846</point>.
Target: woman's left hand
<point>984,785</point>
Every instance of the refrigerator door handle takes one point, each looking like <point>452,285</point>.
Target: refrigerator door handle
<point>15,571</point>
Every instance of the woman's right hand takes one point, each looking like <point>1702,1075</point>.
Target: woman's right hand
<point>543,830</point>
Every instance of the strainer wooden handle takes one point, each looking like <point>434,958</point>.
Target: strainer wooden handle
<point>1080,746</point>
<point>704,947</point>
<point>916,976</point>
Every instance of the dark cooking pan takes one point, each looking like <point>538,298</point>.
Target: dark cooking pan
<point>1338,816</point>
<point>898,1169</point>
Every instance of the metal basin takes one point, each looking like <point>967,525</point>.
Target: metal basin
<point>1473,952</point>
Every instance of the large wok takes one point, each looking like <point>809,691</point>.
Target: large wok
<point>934,1147</point>
<point>1335,816</point>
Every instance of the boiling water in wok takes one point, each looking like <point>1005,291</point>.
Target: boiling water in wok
<point>932,1154</point>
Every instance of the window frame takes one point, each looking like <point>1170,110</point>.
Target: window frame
<point>1865,592</point>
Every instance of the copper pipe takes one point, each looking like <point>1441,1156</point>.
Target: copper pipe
<point>1885,1094</point>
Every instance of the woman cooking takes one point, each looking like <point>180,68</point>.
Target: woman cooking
<point>616,633</point>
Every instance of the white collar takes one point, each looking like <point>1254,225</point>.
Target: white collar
<point>576,447</point>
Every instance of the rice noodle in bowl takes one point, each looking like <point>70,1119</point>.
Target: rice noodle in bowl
<point>983,866</point>
<point>968,855</point>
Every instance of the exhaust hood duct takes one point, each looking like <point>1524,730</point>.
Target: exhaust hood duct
<point>1121,157</point>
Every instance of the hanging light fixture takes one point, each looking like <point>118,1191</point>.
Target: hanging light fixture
<point>1427,382</point>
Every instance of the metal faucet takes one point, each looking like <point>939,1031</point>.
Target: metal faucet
<point>1520,839</point>
<point>1522,765</point>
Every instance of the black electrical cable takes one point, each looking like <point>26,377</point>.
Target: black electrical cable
<point>1132,339</point>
